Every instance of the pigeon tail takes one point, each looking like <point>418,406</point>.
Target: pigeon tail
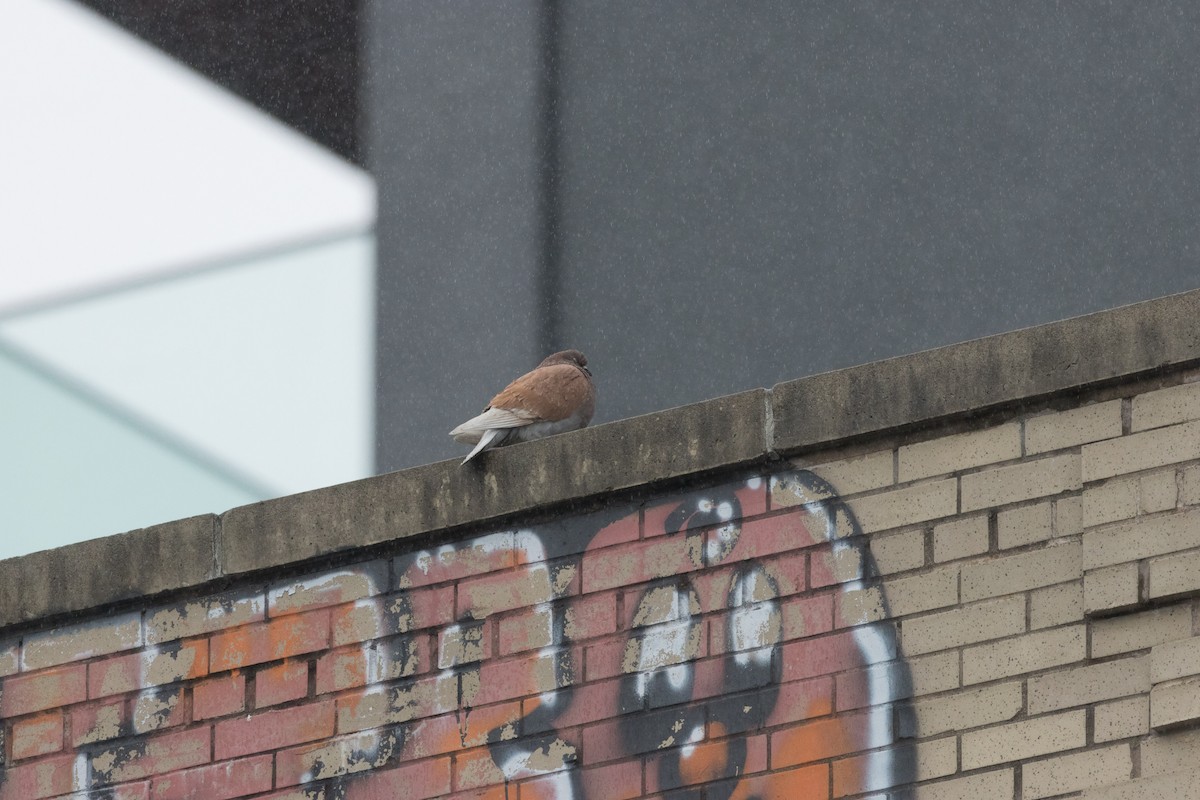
<point>485,441</point>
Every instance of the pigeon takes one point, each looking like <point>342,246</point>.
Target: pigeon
<point>555,397</point>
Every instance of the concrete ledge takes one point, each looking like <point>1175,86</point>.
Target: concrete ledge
<point>985,373</point>
<point>754,427</point>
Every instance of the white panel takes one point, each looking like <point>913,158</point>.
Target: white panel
<point>266,366</point>
<point>117,162</point>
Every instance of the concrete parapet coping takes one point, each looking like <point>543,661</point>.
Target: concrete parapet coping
<point>755,427</point>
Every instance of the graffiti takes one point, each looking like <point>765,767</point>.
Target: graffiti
<point>682,636</point>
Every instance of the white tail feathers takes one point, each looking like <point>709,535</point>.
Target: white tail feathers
<point>484,442</point>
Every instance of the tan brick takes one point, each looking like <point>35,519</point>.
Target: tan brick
<point>1020,654</point>
<point>84,640</point>
<point>934,673</point>
<point>1122,719</point>
<point>1056,605</point>
<point>1130,632</point>
<point>999,486</point>
<point>1070,773</point>
<point>961,451</point>
<point>936,588</point>
<point>1166,406</point>
<point>184,620</point>
<point>960,538</point>
<point>899,552</point>
<point>964,625</point>
<point>1175,703</point>
<point>1111,588</point>
<point>1111,501</point>
<point>1178,573</point>
<point>1068,516</point>
<point>1157,491</point>
<point>1025,525</point>
<point>1059,563</point>
<point>966,709</point>
<point>931,759</point>
<point>1177,659</point>
<point>901,507</point>
<point>860,474</point>
<point>1076,426</point>
<point>1025,739</point>
<point>1176,786</point>
<point>1090,684</point>
<point>1171,752</point>
<point>1189,490</point>
<point>995,785</point>
<point>1139,451</point>
<point>1141,538</point>
<point>329,588</point>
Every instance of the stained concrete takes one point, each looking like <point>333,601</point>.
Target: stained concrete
<point>725,434</point>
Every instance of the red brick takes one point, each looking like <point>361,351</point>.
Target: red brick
<point>416,781</point>
<point>215,781</point>
<point>824,655</point>
<point>157,709</point>
<point>126,791</point>
<point>442,565</point>
<point>801,700</point>
<point>376,617</point>
<point>528,630</point>
<point>37,736</point>
<point>626,529</point>
<point>219,697</point>
<point>37,691</point>
<point>327,589</point>
<point>706,761</point>
<point>333,758</point>
<point>451,732</point>
<point>819,740</point>
<point>588,702</point>
<point>37,779</point>
<point>483,793</point>
<point>612,782</point>
<point>153,755</point>
<point>604,658</point>
<point>764,537</point>
<point>148,668</point>
<point>520,677</point>
<point>591,616</point>
<point>475,768</point>
<point>269,641</point>
<point>751,499</point>
<point>98,722</point>
<point>272,730</point>
<point>642,561</point>
<point>481,596</point>
<point>280,683</point>
<point>810,783</point>
<point>348,667</point>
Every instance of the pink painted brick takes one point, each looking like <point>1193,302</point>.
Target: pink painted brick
<point>37,736</point>
<point>272,730</point>
<point>219,696</point>
<point>269,641</point>
<point>220,781</point>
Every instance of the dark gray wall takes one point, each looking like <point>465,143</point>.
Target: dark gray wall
<point>747,196</point>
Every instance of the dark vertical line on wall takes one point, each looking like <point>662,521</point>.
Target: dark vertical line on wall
<point>550,257</point>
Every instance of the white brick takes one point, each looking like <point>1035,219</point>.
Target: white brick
<point>1070,773</point>
<point>960,537</point>
<point>1178,573</point>
<point>1017,741</point>
<point>1059,563</point>
<point>899,508</point>
<point>998,486</point>
<point>1175,703</point>
<point>995,785</point>
<point>859,474</point>
<point>1141,538</point>
<point>962,451</point>
<point>1056,605</point>
<point>964,625</point>
<point>1130,632</point>
<point>1021,654</point>
<point>1141,451</point>
<point>1089,684</point>
<point>1025,525</point>
<point>1122,719</point>
<point>1076,426</point>
<point>1177,659</point>
<point>1166,406</point>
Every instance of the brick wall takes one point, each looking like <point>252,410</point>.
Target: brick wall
<point>999,605</point>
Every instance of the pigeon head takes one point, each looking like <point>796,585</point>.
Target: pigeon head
<point>572,357</point>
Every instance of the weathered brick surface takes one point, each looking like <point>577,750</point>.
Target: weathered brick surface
<point>1009,611</point>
